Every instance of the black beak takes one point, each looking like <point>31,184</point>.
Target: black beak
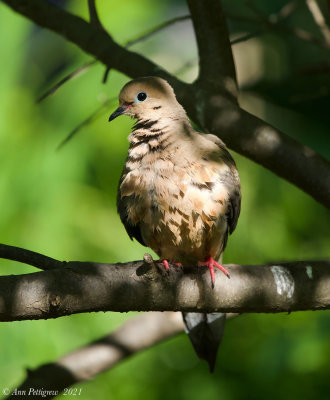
<point>120,110</point>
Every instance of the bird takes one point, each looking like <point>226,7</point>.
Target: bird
<point>179,193</point>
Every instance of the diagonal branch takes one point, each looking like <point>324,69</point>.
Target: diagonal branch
<point>85,122</point>
<point>144,286</point>
<point>135,335</point>
<point>266,145</point>
<point>156,29</point>
<point>210,111</point>
<point>287,10</point>
<point>319,19</point>
<point>66,78</point>
<point>246,37</point>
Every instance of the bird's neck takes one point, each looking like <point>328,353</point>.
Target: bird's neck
<point>152,138</point>
<point>151,130</point>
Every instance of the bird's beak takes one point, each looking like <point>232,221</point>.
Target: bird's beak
<point>120,111</point>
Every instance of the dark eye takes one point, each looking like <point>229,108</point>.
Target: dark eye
<point>141,96</point>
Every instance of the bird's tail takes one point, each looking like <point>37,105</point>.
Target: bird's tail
<point>205,332</point>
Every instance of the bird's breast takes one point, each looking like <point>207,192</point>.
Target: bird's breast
<point>176,206</point>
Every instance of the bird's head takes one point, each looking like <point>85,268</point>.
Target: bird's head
<point>147,98</point>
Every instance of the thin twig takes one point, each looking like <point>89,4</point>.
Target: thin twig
<point>94,19</point>
<point>29,257</point>
<point>273,23</point>
<point>147,35</point>
<point>246,37</point>
<point>106,74</point>
<point>93,15</point>
<point>303,35</point>
<point>77,72</point>
<point>85,122</point>
<point>319,19</point>
<point>156,29</point>
<point>286,10</point>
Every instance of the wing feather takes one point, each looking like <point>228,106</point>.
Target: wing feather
<point>232,183</point>
<point>134,231</point>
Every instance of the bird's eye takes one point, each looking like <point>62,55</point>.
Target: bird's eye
<point>141,96</point>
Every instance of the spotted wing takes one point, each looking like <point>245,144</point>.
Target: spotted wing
<point>232,183</point>
<point>133,231</point>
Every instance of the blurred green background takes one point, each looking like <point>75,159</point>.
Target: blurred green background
<point>62,203</point>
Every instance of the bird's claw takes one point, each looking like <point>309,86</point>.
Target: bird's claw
<point>211,263</point>
<point>166,264</point>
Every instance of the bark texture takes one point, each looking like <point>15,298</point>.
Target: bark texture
<point>140,286</point>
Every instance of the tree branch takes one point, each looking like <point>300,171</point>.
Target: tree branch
<point>319,19</point>
<point>215,55</point>
<point>29,257</point>
<point>287,10</point>
<point>209,110</point>
<point>144,286</point>
<point>269,147</point>
<point>156,29</point>
<point>66,78</point>
<point>93,15</point>
<point>85,122</point>
<point>135,335</point>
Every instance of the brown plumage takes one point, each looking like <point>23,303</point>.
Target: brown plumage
<point>179,192</point>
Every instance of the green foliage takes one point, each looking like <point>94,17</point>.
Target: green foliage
<point>63,204</point>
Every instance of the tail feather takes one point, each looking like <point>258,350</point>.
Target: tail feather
<point>205,332</point>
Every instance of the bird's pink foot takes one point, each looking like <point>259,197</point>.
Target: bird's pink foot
<point>211,263</point>
<point>167,265</point>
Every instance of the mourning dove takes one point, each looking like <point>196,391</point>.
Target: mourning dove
<point>179,192</point>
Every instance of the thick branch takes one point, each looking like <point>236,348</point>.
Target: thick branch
<point>215,55</point>
<point>239,129</point>
<point>266,145</point>
<point>135,335</point>
<point>140,286</point>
